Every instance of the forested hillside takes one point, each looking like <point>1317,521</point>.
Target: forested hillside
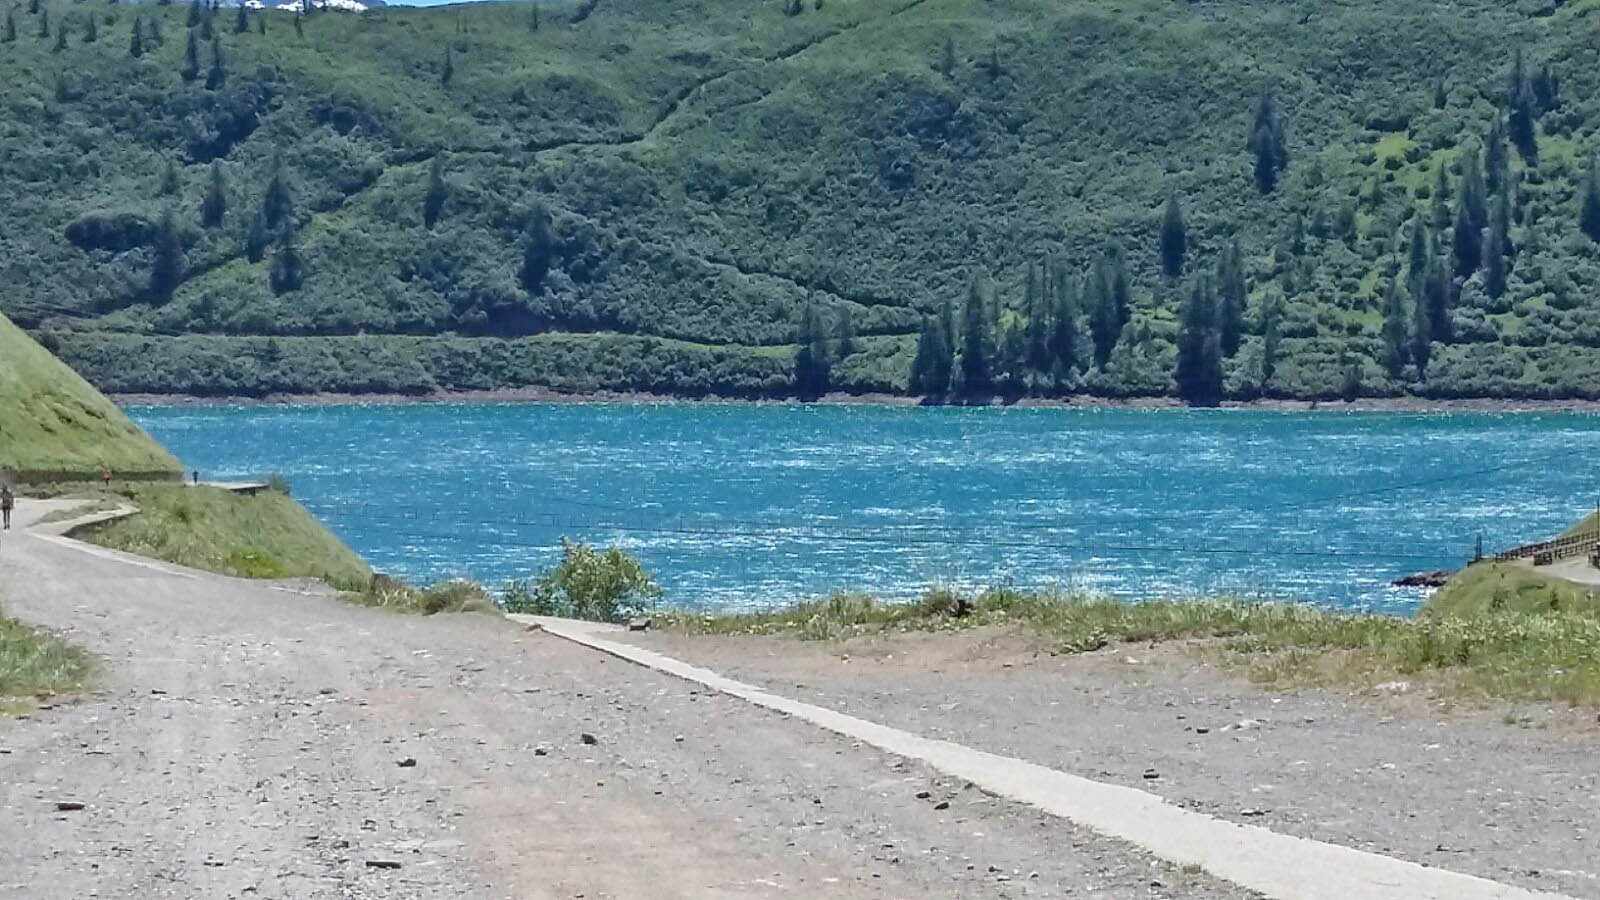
<point>1134,197</point>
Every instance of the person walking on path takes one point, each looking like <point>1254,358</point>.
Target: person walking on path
<point>7,501</point>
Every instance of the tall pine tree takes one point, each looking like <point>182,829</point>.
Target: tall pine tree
<point>191,59</point>
<point>257,237</point>
<point>538,250</point>
<point>1198,374</point>
<point>1396,329</point>
<point>930,370</point>
<point>1437,296</point>
<point>1231,297</point>
<point>433,201</point>
<point>977,343</point>
<point>216,75</point>
<point>216,201</point>
<point>1174,238</point>
<point>811,362</point>
<point>277,207</point>
<point>241,20</point>
<point>1421,336</point>
<point>1064,337</point>
<point>1589,205</point>
<point>136,42</point>
<point>1267,141</point>
<point>167,264</point>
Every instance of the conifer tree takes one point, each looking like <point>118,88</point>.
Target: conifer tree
<point>1118,286</point>
<point>136,43</point>
<point>538,249</point>
<point>287,272</point>
<point>167,264</point>
<point>1348,227</point>
<point>216,75</point>
<point>448,71</point>
<point>1421,337</point>
<point>1105,325</point>
<point>33,7</point>
<point>241,20</point>
<point>8,33</point>
<point>1198,373</point>
<point>845,331</point>
<point>61,36</point>
<point>169,180</point>
<point>1231,298</point>
<point>261,24</point>
<point>1440,97</point>
<point>1396,329</point>
<point>1064,338</point>
<point>1039,307</point>
<point>191,59</point>
<point>993,65</point>
<point>811,362</point>
<point>299,32</point>
<point>152,35</point>
<point>1471,218</point>
<point>257,238</point>
<point>1441,201</point>
<point>947,321</point>
<point>216,201</point>
<point>1271,337</point>
<point>91,30</point>
<point>947,57</point>
<point>1546,89</point>
<point>44,23</point>
<point>930,370</point>
<point>1523,133</point>
<point>1517,78</point>
<point>1494,260</point>
<point>1496,158</point>
<point>207,18</point>
<point>277,207</point>
<point>1437,297</point>
<point>1589,205</point>
<point>1267,141</point>
<point>533,16</point>
<point>1174,238</point>
<point>1420,255</point>
<point>433,202</point>
<point>977,377</point>
<point>195,14</point>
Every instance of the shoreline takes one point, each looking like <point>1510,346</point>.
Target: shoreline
<point>1084,401</point>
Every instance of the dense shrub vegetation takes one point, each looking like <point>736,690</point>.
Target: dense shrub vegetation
<point>706,197</point>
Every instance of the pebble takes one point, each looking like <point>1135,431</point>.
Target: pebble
<point>407,763</point>
<point>383,864</point>
<point>1151,774</point>
<point>588,738</point>
<point>68,806</point>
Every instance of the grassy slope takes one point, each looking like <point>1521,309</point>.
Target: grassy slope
<point>36,664</point>
<point>1503,654</point>
<point>52,421</point>
<point>1511,586</point>
<point>713,165</point>
<point>268,535</point>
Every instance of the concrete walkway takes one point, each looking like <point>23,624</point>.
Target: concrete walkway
<point>1277,865</point>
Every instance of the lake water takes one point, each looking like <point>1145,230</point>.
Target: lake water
<point>757,505</point>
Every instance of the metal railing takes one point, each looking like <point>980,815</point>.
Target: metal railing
<point>1561,547</point>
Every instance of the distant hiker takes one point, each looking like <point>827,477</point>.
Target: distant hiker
<point>196,474</point>
<point>105,476</point>
<point>7,501</point>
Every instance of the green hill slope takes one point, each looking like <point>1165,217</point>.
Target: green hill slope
<point>53,423</point>
<point>711,168</point>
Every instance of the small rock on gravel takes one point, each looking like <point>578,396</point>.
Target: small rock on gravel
<point>588,738</point>
<point>407,763</point>
<point>68,806</point>
<point>383,864</point>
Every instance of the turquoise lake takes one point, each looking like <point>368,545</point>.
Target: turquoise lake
<point>736,506</point>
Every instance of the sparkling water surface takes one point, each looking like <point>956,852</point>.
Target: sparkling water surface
<point>738,506</point>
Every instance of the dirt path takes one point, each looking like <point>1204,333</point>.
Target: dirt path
<point>248,741</point>
<point>1464,790</point>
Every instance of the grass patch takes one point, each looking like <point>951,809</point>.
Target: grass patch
<point>266,535</point>
<point>1495,587</point>
<point>35,664</point>
<point>54,422</point>
<point>457,595</point>
<point>1502,653</point>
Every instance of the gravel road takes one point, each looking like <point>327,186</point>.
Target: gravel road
<point>254,741</point>
<point>1461,790</point>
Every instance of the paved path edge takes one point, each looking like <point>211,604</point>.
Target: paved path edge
<point>1277,865</point>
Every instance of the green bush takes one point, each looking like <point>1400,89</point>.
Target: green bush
<point>598,585</point>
